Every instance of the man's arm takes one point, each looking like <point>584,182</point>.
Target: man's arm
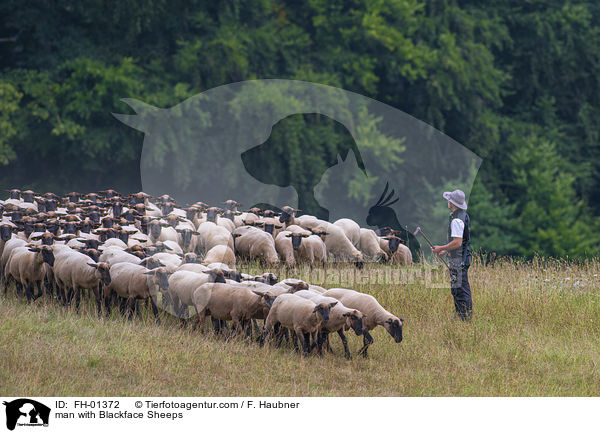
<point>440,250</point>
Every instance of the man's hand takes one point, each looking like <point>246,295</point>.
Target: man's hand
<point>438,250</point>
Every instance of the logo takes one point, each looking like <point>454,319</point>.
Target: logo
<point>26,412</point>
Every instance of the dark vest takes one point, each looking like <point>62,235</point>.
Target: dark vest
<point>462,254</point>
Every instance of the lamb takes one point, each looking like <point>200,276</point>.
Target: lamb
<point>351,230</point>
<point>133,282</point>
<point>220,254</point>
<point>256,244</point>
<point>340,317</point>
<point>183,284</point>
<point>303,316</point>
<point>374,312</point>
<point>369,245</point>
<point>231,302</point>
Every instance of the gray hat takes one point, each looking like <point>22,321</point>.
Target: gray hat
<point>457,198</point>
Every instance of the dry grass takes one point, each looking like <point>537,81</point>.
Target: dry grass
<point>535,332</point>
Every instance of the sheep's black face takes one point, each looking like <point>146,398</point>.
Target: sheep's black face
<point>93,254</point>
<point>15,194</point>
<point>285,217</point>
<point>267,300</point>
<point>186,237</point>
<point>117,210</point>
<point>211,215</point>
<point>272,279</point>
<point>155,229</point>
<point>52,228</point>
<point>190,258</point>
<point>356,323</point>
<point>190,213</point>
<point>104,270</point>
<point>394,328</point>
<point>70,228</point>
<point>167,208</point>
<point>47,239</point>
<point>28,228</point>
<point>123,235</point>
<point>28,196</point>
<point>235,276</point>
<point>85,226</point>
<point>107,223</point>
<point>48,255</point>
<point>51,205</point>
<point>323,311</point>
<point>5,232</point>
<point>92,243</point>
<point>296,241</point>
<point>219,277</point>
<point>269,228</point>
<point>394,243</point>
<point>162,279</point>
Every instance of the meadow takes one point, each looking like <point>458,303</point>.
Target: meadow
<point>535,332</point>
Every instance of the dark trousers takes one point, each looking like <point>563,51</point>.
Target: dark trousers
<point>461,291</point>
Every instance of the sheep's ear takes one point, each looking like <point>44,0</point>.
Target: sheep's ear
<point>167,247</point>
<point>179,230</point>
<point>164,225</point>
<point>348,314</point>
<point>36,238</point>
<point>258,293</point>
<point>278,227</point>
<point>196,233</point>
<point>390,321</point>
<point>333,304</point>
<point>34,249</point>
<point>288,235</point>
<point>149,272</point>
<point>305,236</point>
<point>93,265</point>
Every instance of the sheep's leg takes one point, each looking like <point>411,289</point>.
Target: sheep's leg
<point>107,303</point>
<point>216,325</point>
<point>319,336</point>
<point>344,342</point>
<point>301,336</point>
<point>77,292</point>
<point>28,292</point>
<point>327,346</point>
<point>38,285</point>
<point>131,304</point>
<point>123,306</point>
<point>98,294</point>
<point>18,287</point>
<point>153,302</point>
<point>136,303</point>
<point>367,340</point>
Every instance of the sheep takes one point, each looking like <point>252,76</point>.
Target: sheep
<point>256,244</point>
<point>170,261</point>
<point>337,244</point>
<point>374,312</point>
<point>395,250</point>
<point>303,316</point>
<point>340,317</point>
<point>287,216</point>
<point>369,245</point>
<point>76,271</point>
<point>182,285</point>
<point>230,302</point>
<point>132,282</point>
<point>9,246</point>
<point>193,267</point>
<point>351,230</point>
<point>188,238</point>
<point>115,255</point>
<point>220,254</point>
<point>173,247</point>
<point>25,267</point>
<point>210,235</point>
<point>313,250</point>
<point>284,245</point>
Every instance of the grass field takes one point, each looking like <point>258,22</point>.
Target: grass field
<point>535,332</point>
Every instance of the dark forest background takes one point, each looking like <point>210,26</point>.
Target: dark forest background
<point>515,81</point>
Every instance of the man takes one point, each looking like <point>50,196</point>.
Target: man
<point>459,256</point>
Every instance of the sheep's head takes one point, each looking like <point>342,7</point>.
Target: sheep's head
<point>322,310</point>
<point>47,254</point>
<point>393,243</point>
<point>296,287</point>
<point>151,263</point>
<point>216,275</point>
<point>393,326</point>
<point>266,278</point>
<point>102,272</point>
<point>190,258</point>
<point>154,227</point>
<point>297,239</point>
<point>211,214</point>
<point>186,236</point>
<point>234,275</point>
<point>266,299</point>
<point>354,320</point>
<point>6,231</point>
<point>92,253</point>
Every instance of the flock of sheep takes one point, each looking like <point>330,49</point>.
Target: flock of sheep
<point>126,249</point>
